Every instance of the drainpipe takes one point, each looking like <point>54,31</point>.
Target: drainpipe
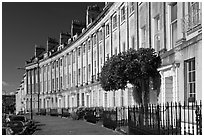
<point>164,12</point>
<point>137,12</point>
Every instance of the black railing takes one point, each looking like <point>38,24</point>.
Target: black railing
<point>169,118</point>
<point>110,118</point>
<point>161,119</point>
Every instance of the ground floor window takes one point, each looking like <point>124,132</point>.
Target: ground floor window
<point>106,99</point>
<point>82,99</point>
<point>190,80</point>
<point>78,100</point>
<point>68,101</point>
<point>87,101</point>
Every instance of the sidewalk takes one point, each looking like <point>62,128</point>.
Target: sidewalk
<point>47,125</point>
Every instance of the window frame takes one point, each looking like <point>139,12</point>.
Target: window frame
<point>132,7</point>
<point>122,13</point>
<point>114,20</point>
<point>143,36</point>
<point>94,39</point>
<point>188,81</point>
<point>107,29</point>
<point>157,37</point>
<point>89,45</point>
<point>172,22</point>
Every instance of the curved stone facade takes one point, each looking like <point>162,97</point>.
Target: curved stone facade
<point>69,77</point>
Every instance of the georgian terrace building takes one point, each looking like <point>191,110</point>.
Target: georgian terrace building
<point>66,74</point>
<point>21,97</point>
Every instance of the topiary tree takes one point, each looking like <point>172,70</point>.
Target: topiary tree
<point>134,67</point>
<point>112,74</point>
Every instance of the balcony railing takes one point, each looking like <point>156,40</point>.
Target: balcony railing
<point>191,21</point>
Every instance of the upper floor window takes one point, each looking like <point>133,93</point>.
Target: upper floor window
<point>143,37</point>
<point>56,83</point>
<point>114,21</point>
<point>79,51</point>
<point>101,49</point>
<point>94,39</point>
<point>68,59</point>
<point>157,33</point>
<point>84,48</point>
<point>107,29</point>
<point>133,42</point>
<point>115,50</point>
<point>57,63</point>
<point>122,13</point>
<point>173,24</point>
<point>73,57</point>
<point>53,65</point>
<point>132,8</point>
<point>73,77</point>
<point>61,62</point>
<point>194,13</point>
<point>89,70</point>
<point>123,46</point>
<point>84,73</point>
<point>61,82</point>
<point>89,45</point>
<point>79,75</point>
<point>65,60</point>
<point>94,55</point>
<point>100,35</point>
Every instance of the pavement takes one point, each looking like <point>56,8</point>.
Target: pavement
<point>53,125</point>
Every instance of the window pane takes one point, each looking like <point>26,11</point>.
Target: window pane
<point>189,77</point>
<point>193,88</point>
<point>123,46</point>
<point>193,64</point>
<point>174,33</point>
<point>115,21</point>
<point>123,14</point>
<point>173,12</point>
<point>193,76</point>
<point>133,42</point>
<point>115,50</point>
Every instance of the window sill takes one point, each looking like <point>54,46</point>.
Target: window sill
<point>131,13</point>
<point>194,29</point>
<point>114,29</point>
<point>122,22</point>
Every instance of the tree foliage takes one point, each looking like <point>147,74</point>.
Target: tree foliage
<point>113,76</point>
<point>135,67</point>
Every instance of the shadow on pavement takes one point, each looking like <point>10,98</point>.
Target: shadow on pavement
<point>40,124</point>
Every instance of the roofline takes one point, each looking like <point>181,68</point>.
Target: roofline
<point>81,35</point>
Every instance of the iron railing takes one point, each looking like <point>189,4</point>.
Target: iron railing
<point>170,118</point>
<point>161,119</point>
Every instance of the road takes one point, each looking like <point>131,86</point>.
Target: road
<point>48,125</point>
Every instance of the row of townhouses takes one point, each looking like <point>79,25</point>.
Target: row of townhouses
<point>66,73</point>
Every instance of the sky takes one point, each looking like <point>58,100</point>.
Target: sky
<point>26,24</point>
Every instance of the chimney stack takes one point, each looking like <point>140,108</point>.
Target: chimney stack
<point>38,50</point>
<point>64,38</point>
<point>51,43</point>
<point>91,13</point>
<point>76,27</point>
